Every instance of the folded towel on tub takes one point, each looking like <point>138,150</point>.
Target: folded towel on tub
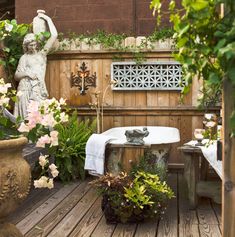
<point>95,153</point>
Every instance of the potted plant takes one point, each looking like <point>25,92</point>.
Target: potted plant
<point>15,174</point>
<point>134,197</point>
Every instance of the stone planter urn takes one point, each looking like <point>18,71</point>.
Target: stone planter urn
<point>15,182</point>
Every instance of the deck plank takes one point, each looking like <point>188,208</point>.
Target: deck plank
<point>206,214</point>
<point>103,229</point>
<point>147,229</point>
<point>66,226</point>
<point>75,211</point>
<point>31,220</point>
<point>168,225</point>
<point>46,225</point>
<point>209,230</point>
<point>188,221</point>
<point>217,208</point>
<point>124,230</point>
<point>35,199</point>
<point>188,230</point>
<point>89,222</point>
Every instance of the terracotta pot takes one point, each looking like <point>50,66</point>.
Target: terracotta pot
<point>15,176</point>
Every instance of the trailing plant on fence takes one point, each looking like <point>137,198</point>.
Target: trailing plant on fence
<point>116,41</point>
<point>205,41</point>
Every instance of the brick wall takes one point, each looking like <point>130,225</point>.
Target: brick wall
<point>118,16</point>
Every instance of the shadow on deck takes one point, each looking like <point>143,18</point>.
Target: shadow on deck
<point>74,210</point>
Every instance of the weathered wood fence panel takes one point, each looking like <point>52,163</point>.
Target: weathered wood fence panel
<point>123,108</point>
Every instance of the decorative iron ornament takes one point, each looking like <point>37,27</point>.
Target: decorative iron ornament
<point>83,80</point>
<point>146,76</point>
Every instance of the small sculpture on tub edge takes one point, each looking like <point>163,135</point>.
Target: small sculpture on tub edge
<point>135,136</point>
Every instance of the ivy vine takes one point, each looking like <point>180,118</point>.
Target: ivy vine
<point>205,41</point>
<point>11,38</point>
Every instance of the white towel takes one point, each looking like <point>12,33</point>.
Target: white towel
<point>95,153</point>
<point>210,153</point>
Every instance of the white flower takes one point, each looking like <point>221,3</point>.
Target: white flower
<point>64,117</point>
<point>54,173</point>
<point>41,183</point>
<point>50,184</point>
<point>8,27</point>
<point>23,128</point>
<point>48,120</point>
<point>43,140</point>
<point>44,182</point>
<point>62,101</point>
<point>4,101</point>
<point>4,87</point>
<point>54,170</point>
<point>208,116</point>
<point>43,160</point>
<point>54,138</point>
<point>52,167</point>
<point>210,124</point>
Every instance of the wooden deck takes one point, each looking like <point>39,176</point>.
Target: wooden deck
<point>74,210</point>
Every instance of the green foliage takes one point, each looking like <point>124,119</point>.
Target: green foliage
<point>136,197</point>
<point>116,41</point>
<point>205,41</point>
<point>161,34</point>
<point>8,129</point>
<point>210,95</point>
<point>11,35</point>
<point>70,153</point>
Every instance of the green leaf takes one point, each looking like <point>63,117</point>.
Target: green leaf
<point>182,41</point>
<point>13,22</point>
<point>6,49</point>
<point>198,5</point>
<point>172,5</point>
<point>46,34</point>
<point>219,45</point>
<point>184,30</point>
<point>214,78</point>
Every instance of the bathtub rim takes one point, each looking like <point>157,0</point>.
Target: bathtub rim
<point>121,143</point>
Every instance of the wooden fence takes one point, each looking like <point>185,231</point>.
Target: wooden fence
<point>124,108</point>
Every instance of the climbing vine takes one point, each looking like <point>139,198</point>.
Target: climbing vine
<point>205,40</point>
<point>11,38</point>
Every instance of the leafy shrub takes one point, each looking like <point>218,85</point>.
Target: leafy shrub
<point>134,198</point>
<point>70,154</point>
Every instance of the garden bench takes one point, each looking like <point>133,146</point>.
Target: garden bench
<point>197,178</point>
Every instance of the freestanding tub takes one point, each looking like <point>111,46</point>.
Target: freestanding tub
<point>121,156</point>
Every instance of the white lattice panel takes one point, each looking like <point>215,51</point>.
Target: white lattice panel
<point>146,76</point>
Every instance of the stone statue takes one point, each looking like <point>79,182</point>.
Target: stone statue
<point>135,136</point>
<point>31,69</point>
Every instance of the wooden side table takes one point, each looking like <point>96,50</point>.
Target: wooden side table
<point>196,178</point>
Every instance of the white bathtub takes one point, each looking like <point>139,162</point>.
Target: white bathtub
<point>157,135</point>
<point>121,156</point>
